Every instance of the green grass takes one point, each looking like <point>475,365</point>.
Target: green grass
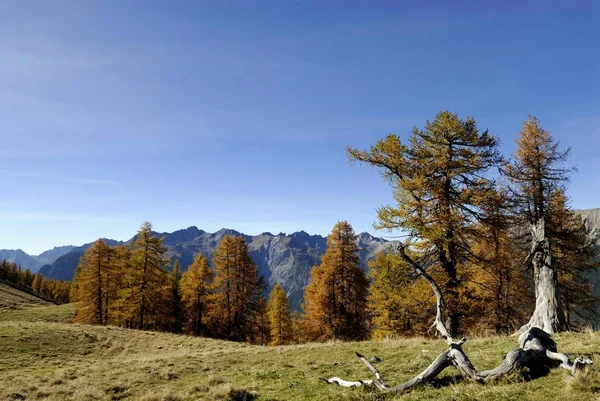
<point>42,357</point>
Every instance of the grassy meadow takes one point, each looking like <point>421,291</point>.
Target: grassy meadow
<point>12,298</point>
<point>44,357</point>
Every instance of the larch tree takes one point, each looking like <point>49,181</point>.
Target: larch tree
<point>573,251</point>
<point>498,278</point>
<point>118,267</point>
<point>536,172</point>
<point>238,290</point>
<point>441,185</point>
<point>259,332</point>
<point>537,349</point>
<point>176,307</point>
<point>37,283</point>
<point>91,284</point>
<point>440,180</point>
<point>335,301</point>
<point>399,304</point>
<point>144,298</point>
<point>27,277</point>
<point>195,290</point>
<point>280,320</point>
<point>74,291</point>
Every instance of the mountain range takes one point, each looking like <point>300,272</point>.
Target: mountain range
<point>284,259</point>
<point>34,263</point>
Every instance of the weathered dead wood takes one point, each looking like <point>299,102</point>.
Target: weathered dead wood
<point>548,314</point>
<point>537,348</point>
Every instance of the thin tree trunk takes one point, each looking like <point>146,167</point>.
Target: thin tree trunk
<point>143,288</point>
<point>99,288</point>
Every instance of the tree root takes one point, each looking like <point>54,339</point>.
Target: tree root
<point>536,349</point>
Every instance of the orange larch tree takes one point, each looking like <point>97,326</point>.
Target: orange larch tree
<point>335,301</point>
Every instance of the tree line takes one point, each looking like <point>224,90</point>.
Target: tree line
<point>54,290</point>
<point>497,235</point>
<point>465,213</point>
<point>138,288</point>
<point>470,229</point>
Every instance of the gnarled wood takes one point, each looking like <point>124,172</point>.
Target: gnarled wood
<point>421,270</point>
<point>536,348</point>
<point>548,314</point>
<point>453,356</point>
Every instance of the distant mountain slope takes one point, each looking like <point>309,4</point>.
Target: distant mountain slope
<point>63,268</point>
<point>21,258</point>
<point>50,256</point>
<point>592,219</point>
<point>34,262</point>
<point>283,259</point>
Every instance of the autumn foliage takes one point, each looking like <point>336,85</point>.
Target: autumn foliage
<point>460,206</point>
<point>474,233</point>
<point>52,290</point>
<point>398,303</point>
<point>237,291</point>
<point>335,301</point>
<point>280,320</point>
<point>439,180</point>
<point>136,287</point>
<point>195,288</point>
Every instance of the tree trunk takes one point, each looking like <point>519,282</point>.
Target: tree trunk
<point>548,315</point>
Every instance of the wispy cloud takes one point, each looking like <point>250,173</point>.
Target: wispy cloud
<point>56,177</point>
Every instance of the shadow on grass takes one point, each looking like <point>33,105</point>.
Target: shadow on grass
<point>241,395</point>
<point>533,373</point>
<point>446,381</point>
<point>526,375</point>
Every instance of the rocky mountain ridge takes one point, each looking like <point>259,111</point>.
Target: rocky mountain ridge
<point>284,259</point>
<point>34,262</point>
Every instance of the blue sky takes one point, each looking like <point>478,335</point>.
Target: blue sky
<point>236,114</point>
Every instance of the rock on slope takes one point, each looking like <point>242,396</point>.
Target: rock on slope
<point>592,219</point>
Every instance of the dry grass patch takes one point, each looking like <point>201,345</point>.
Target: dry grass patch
<point>58,361</point>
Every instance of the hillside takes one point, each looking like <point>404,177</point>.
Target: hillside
<point>592,219</point>
<point>12,297</point>
<point>63,268</point>
<point>43,359</point>
<point>19,257</point>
